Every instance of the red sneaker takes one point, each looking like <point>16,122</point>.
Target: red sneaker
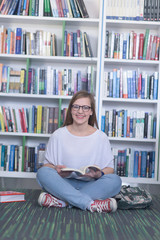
<point>107,205</point>
<point>47,200</point>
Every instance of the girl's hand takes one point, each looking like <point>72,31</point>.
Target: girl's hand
<point>62,174</point>
<point>94,174</point>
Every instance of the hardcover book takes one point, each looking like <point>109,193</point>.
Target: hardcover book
<point>11,196</point>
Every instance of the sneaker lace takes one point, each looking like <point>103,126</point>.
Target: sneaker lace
<point>51,201</point>
<point>103,206</point>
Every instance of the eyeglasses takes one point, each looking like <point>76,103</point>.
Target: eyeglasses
<point>85,108</point>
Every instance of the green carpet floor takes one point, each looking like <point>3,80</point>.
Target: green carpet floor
<point>27,220</point>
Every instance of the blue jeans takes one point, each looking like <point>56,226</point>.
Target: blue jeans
<point>76,192</point>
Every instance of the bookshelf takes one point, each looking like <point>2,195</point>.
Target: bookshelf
<point>90,25</point>
<point>108,103</point>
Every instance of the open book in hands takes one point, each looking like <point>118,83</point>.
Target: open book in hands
<point>80,174</point>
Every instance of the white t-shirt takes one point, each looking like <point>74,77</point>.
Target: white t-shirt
<point>64,148</point>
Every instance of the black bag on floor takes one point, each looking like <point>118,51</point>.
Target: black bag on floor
<point>133,197</point>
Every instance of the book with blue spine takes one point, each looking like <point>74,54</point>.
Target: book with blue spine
<point>118,84</point>
<point>131,126</point>
<point>66,7</point>
<point>150,164</point>
<point>124,55</point>
<point>123,163</point>
<point>136,159</point>
<point>9,30</point>
<point>119,162</point>
<point>24,6</point>
<point>103,123</point>
<point>18,40</point>
<point>133,88</point>
<point>65,42</point>
<point>78,80</point>
<point>143,163</point>
<point>153,164</point>
<point>114,82</point>
<point>143,85</point>
<point>56,81</point>
<point>77,9</point>
<point>13,7</point>
<point>73,9</point>
<point>125,123</point>
<point>129,80</point>
<point>75,45</point>
<point>71,45</point>
<point>19,7</point>
<point>2,157</point>
<point>154,127</point>
<point>155,86</point>
<point>11,158</point>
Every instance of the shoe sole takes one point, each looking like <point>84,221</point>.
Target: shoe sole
<point>114,204</point>
<point>40,198</point>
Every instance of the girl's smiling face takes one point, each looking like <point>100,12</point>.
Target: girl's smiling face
<point>81,111</point>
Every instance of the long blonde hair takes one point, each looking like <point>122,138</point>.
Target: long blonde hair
<point>82,94</point>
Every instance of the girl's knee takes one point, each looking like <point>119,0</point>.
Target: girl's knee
<point>116,180</point>
<point>44,171</point>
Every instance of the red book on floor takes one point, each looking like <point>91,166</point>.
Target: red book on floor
<point>11,196</point>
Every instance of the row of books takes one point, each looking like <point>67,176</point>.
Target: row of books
<point>19,41</point>
<point>33,119</point>
<point>132,45</point>
<point>77,44</point>
<point>131,84</point>
<point>47,80</point>
<point>137,10</point>
<point>19,7</point>
<point>21,158</point>
<point>65,8</point>
<point>130,162</point>
<point>131,124</point>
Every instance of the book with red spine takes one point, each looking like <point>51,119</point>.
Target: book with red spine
<point>134,45</point>
<point>11,196</point>
<point>157,49</point>
<point>139,85</point>
<point>27,8</point>
<point>141,42</point>
<point>59,9</point>
<point>128,125</point>
<point>79,43</point>
<point>24,120</point>
<point>21,119</point>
